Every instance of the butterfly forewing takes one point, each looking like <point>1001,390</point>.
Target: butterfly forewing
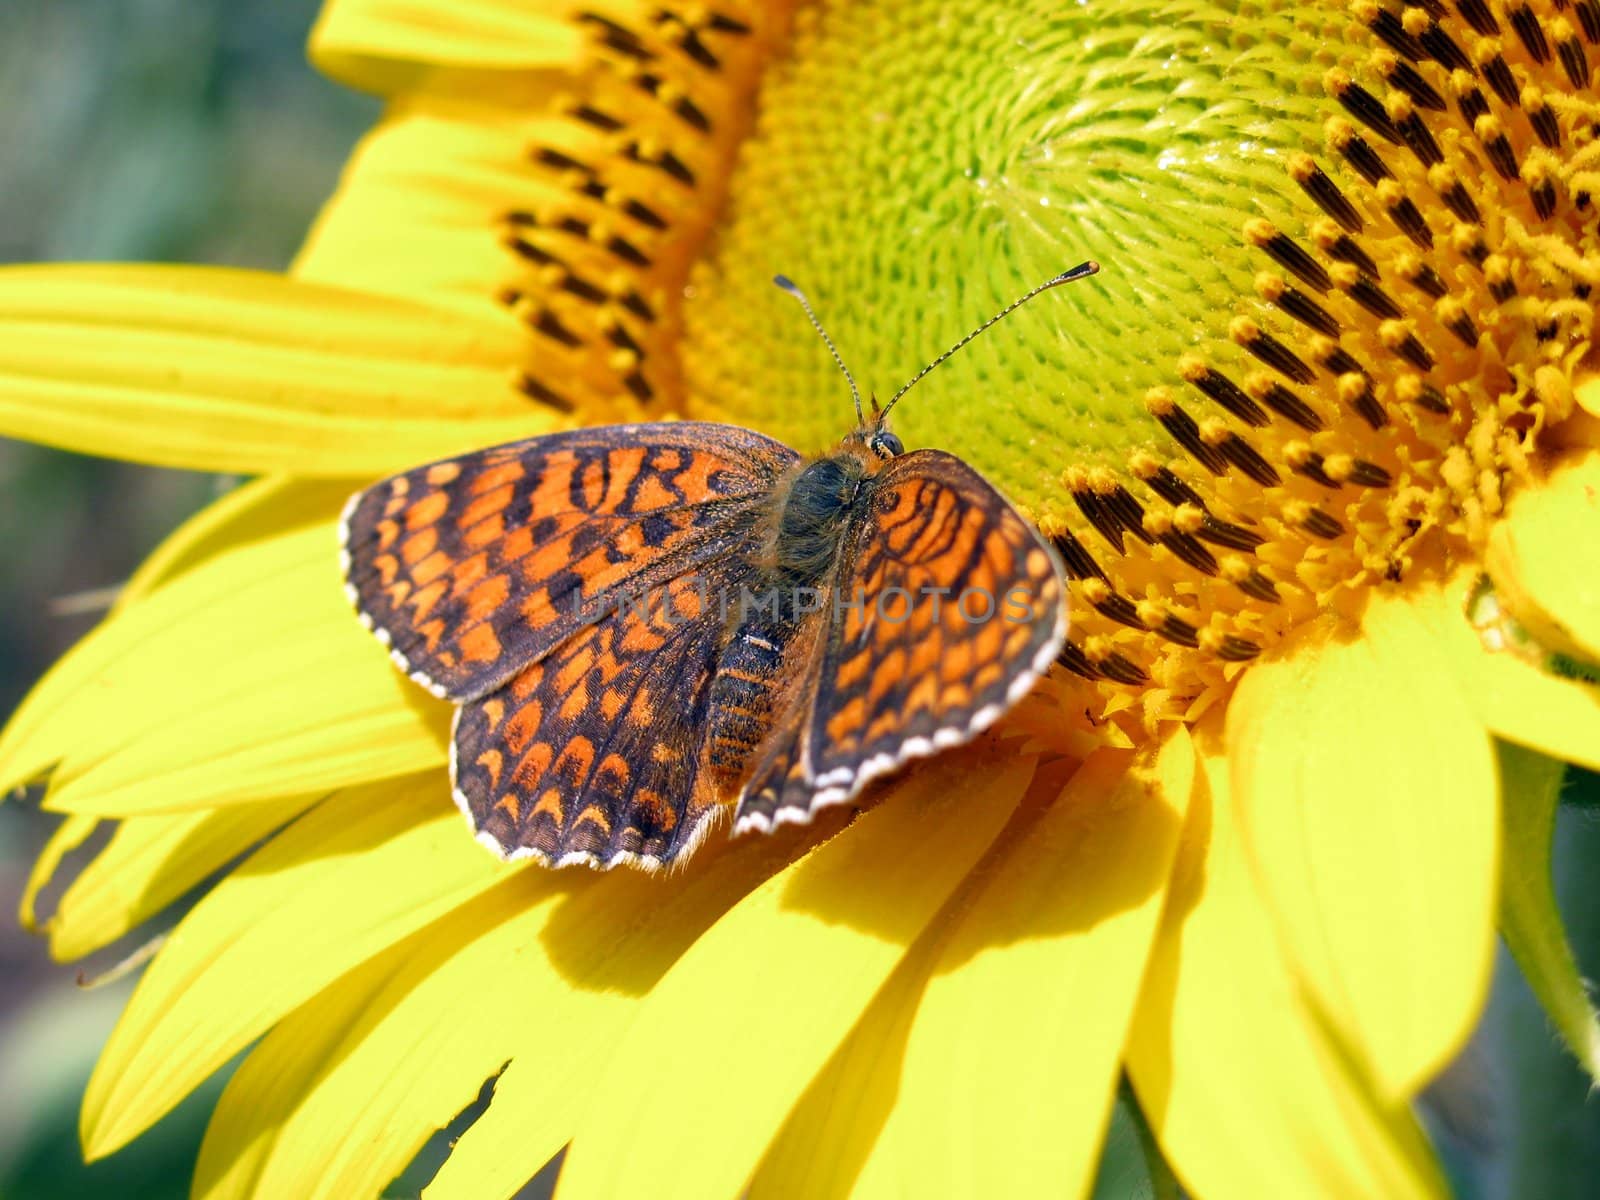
<point>946,607</point>
<point>474,568</point>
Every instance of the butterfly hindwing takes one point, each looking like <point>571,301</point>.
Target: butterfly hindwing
<point>909,666</point>
<point>473,568</point>
<point>593,753</point>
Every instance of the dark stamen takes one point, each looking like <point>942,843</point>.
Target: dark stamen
<point>1237,649</point>
<point>1444,49</point>
<point>1270,350</point>
<point>1249,460</point>
<point>1366,474</point>
<point>1075,660</point>
<point>1361,104</point>
<point>1120,609</point>
<point>1404,76</point>
<point>1080,564</point>
<point>1542,117</point>
<point>1184,430</point>
<point>1287,254</point>
<point>1259,587</point>
<point>1288,405</point>
<point>1477,14</point>
<point>1423,277</point>
<point>1356,151</point>
<point>1298,305</point>
<point>1531,30</point>
<point>1325,192</point>
<point>1179,631</point>
<point>1120,669</point>
<point>1188,549</point>
<point>1223,390</point>
<point>1321,525</point>
<point>1500,79</point>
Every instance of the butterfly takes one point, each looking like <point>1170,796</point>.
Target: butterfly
<point>645,627</point>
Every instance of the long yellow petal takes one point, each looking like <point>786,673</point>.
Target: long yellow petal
<point>454,202</point>
<point>727,1042</point>
<point>388,45</point>
<point>1016,1047</point>
<point>356,874</point>
<point>258,511</point>
<point>422,208</point>
<point>249,672</point>
<point>602,951</point>
<point>150,862</point>
<point>1514,692</point>
<point>1248,1093</point>
<point>1529,919</point>
<point>64,839</point>
<point>846,1135</point>
<point>1367,796</point>
<point>530,181</point>
<point>1545,559</point>
<point>238,1140</point>
<point>239,371</point>
<point>401,1066</point>
<point>252,512</point>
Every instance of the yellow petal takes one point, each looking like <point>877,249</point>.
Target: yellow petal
<point>1513,693</point>
<point>150,862</point>
<point>251,512</point>
<point>564,184</point>
<point>1246,1090</point>
<point>353,876</point>
<point>31,741</point>
<point>566,968</point>
<point>398,1067</point>
<point>238,371</point>
<point>846,1134</point>
<point>1367,796</point>
<point>420,210</point>
<point>66,838</point>
<point>1545,559</point>
<point>388,45</point>
<point>726,1043</point>
<point>247,678</point>
<point>237,1139</point>
<point>599,954</point>
<point>1529,919</point>
<point>1016,1046</point>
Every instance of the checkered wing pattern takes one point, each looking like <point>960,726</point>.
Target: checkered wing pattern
<point>593,754</point>
<point>474,568</point>
<point>949,606</point>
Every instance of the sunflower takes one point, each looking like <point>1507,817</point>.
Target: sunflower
<point>1318,449</point>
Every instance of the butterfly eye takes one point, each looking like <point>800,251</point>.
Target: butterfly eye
<point>887,445</point>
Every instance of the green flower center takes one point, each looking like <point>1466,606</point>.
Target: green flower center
<point>1345,286</point>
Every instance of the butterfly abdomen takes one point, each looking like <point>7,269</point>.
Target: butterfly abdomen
<point>744,691</point>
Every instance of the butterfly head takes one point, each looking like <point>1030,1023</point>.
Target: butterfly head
<point>885,443</point>
<point>872,442</point>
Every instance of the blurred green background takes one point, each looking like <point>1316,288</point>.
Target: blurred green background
<point>194,131</point>
<point>176,130</point>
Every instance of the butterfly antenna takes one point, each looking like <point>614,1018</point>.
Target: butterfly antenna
<point>1082,271</point>
<point>788,285</point>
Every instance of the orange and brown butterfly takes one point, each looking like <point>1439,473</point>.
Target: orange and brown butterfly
<point>646,627</point>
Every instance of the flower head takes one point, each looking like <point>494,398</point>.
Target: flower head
<point>1317,449</point>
